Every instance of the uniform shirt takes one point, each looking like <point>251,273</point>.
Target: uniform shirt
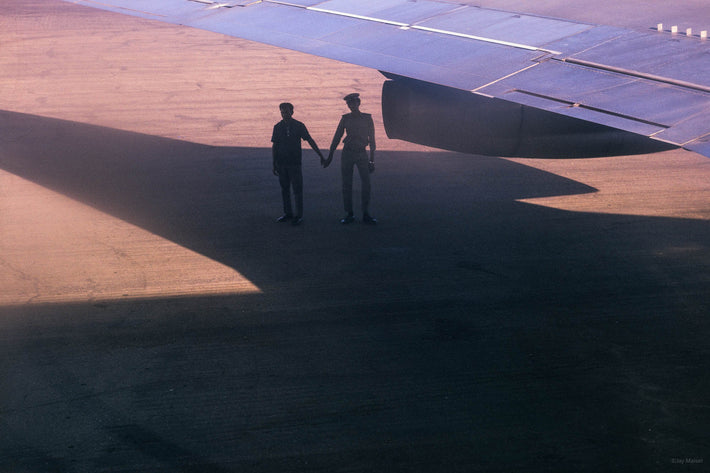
<point>360,131</point>
<point>287,138</point>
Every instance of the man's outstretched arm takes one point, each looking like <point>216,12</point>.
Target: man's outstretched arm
<point>336,141</point>
<point>313,144</point>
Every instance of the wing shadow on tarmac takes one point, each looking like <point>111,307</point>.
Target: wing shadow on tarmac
<point>222,202</point>
<point>466,332</point>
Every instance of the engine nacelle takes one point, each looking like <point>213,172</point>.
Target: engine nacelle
<point>458,120</point>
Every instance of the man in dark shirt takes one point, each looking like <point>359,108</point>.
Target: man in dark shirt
<point>360,131</point>
<point>286,152</point>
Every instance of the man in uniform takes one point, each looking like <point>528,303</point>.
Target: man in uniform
<point>360,133</point>
<point>286,152</point>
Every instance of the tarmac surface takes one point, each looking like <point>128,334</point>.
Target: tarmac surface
<point>504,315</point>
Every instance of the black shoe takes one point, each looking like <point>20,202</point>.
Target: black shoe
<point>369,220</point>
<point>284,218</point>
<point>347,219</point>
<point>297,221</point>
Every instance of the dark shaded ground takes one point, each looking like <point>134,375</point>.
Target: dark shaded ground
<point>466,332</point>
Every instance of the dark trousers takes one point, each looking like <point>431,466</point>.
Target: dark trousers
<point>291,177</point>
<point>349,159</point>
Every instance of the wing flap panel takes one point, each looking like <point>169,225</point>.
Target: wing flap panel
<point>571,45</point>
<point>396,11</point>
<point>612,94</point>
<point>504,26</point>
<point>257,22</point>
<point>458,55</point>
<point>300,3</point>
<point>682,58</point>
<point>700,146</point>
<point>687,131</point>
<point>163,10</point>
<point>572,110</point>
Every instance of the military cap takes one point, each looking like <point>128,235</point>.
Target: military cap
<point>352,96</point>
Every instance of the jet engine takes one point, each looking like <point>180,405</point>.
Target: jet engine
<point>458,120</point>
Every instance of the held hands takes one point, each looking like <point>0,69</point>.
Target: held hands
<point>326,162</point>
<point>371,166</point>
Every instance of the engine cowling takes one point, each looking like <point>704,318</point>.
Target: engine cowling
<point>458,120</point>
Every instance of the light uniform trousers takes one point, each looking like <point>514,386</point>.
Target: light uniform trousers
<point>349,159</point>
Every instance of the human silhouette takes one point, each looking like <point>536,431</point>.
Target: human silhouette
<point>286,151</point>
<point>360,133</point>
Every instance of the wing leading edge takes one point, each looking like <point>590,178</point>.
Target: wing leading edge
<point>650,83</point>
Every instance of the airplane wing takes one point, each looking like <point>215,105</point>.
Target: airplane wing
<point>655,84</point>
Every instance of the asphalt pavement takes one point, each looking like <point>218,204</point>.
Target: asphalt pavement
<point>504,315</point>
